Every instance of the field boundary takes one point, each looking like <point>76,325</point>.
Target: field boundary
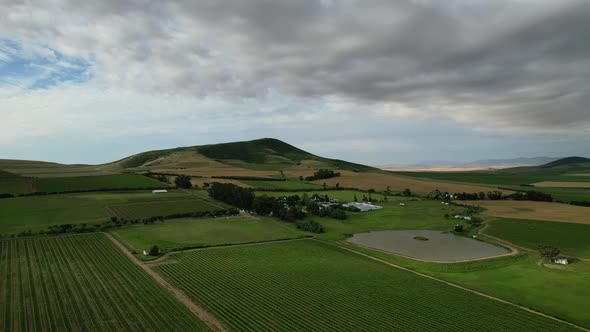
<point>458,286</point>
<point>202,314</point>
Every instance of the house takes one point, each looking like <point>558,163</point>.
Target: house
<point>561,260</point>
<point>458,216</point>
<point>402,204</point>
<point>364,207</point>
<point>159,191</point>
<point>146,253</point>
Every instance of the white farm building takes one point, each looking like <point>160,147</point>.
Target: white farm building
<point>363,206</point>
<point>458,216</point>
<point>561,260</point>
<point>159,191</point>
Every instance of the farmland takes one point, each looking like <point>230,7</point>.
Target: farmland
<point>534,210</point>
<point>13,184</point>
<point>142,210</point>
<point>281,185</point>
<point>500,178</point>
<point>307,285</point>
<point>184,233</point>
<point>562,292</point>
<point>572,239</point>
<point>82,283</point>
<point>89,183</point>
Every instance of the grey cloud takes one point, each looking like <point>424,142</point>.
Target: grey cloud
<point>513,63</point>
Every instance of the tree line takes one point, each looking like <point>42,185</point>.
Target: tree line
<point>322,174</point>
<point>498,195</point>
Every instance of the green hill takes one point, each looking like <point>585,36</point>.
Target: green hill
<point>265,153</point>
<point>569,161</point>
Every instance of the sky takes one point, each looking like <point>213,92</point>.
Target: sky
<point>370,81</point>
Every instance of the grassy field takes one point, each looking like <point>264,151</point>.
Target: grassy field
<point>11,183</point>
<point>562,292</point>
<point>39,212</point>
<point>143,210</point>
<point>535,210</point>
<point>82,283</point>
<point>84,183</point>
<point>311,286</point>
<point>205,232</point>
<point>36,213</point>
<point>562,194</point>
<point>571,239</point>
<point>501,178</point>
<point>280,185</point>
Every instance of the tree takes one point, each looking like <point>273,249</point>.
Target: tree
<point>154,251</point>
<point>549,252</point>
<point>355,199</point>
<point>458,228</point>
<point>324,185</point>
<point>407,192</point>
<point>337,185</point>
<point>300,178</point>
<point>183,181</point>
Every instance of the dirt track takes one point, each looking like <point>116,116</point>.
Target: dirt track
<point>213,323</point>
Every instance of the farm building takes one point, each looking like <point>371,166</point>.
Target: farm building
<point>402,204</point>
<point>363,206</point>
<point>159,191</point>
<point>561,260</point>
<point>458,216</point>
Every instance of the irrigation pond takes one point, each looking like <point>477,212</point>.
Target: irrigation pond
<point>435,246</point>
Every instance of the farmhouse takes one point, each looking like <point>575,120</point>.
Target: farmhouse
<point>402,204</point>
<point>458,216</point>
<point>159,191</point>
<point>561,260</point>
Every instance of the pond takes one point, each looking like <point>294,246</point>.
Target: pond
<point>428,245</point>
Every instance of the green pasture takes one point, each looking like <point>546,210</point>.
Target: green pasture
<point>501,178</point>
<point>141,210</point>
<point>183,233</point>
<point>281,185</point>
<point>103,182</point>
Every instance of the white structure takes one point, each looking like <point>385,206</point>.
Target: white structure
<point>146,253</point>
<point>561,260</point>
<point>458,216</point>
<point>159,191</point>
<point>364,207</point>
<point>402,204</point>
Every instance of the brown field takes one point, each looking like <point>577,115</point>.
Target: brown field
<point>555,184</point>
<point>535,210</point>
<point>380,181</point>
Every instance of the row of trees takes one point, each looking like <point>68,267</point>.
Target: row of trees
<point>498,195</point>
<point>322,174</point>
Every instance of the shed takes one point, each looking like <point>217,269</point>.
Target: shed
<point>561,260</point>
<point>159,191</point>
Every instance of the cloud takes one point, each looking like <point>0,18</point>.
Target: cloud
<point>502,66</point>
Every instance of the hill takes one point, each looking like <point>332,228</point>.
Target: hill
<point>569,161</point>
<point>261,154</point>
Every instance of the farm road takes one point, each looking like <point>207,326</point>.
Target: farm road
<point>203,315</point>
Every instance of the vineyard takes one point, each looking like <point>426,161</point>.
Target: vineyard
<point>311,286</point>
<point>82,283</point>
<point>160,208</point>
<point>100,182</point>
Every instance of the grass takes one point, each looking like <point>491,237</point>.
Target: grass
<point>281,185</point>
<point>571,239</point>
<point>82,283</point>
<point>184,233</point>
<point>518,279</point>
<point>11,183</point>
<point>501,178</point>
<point>562,194</point>
<point>312,286</point>
<point>38,213</point>
<point>534,210</point>
<point>103,182</point>
<point>143,210</point>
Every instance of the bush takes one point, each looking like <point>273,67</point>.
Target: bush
<point>310,226</point>
<point>183,181</point>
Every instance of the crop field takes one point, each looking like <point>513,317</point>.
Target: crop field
<point>396,182</point>
<point>82,283</point>
<point>558,184</point>
<point>503,178</point>
<point>311,286</point>
<point>83,183</point>
<point>559,291</point>
<point>571,239</point>
<point>160,208</point>
<point>39,212</point>
<point>562,194</point>
<point>534,210</point>
<point>281,185</point>
<point>184,233</point>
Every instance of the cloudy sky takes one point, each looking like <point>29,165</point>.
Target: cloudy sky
<point>371,81</point>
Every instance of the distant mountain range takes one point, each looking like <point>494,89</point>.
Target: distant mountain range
<point>478,164</point>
